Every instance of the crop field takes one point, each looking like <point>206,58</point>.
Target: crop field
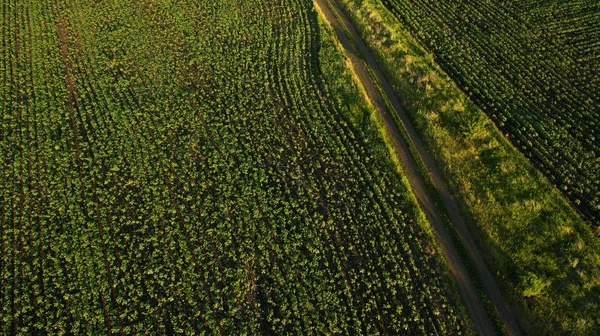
<point>183,167</point>
<point>534,68</point>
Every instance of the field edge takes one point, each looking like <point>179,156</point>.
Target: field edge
<point>386,39</point>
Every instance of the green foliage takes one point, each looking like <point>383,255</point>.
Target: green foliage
<point>180,167</point>
<point>521,222</point>
<point>522,64</point>
<point>473,126</point>
<point>532,285</point>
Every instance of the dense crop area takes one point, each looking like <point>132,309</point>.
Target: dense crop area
<point>533,66</point>
<point>179,166</point>
<point>570,27</point>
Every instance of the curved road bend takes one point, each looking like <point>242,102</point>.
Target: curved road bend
<point>339,22</point>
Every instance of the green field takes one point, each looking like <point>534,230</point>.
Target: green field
<point>230,167</point>
<point>200,166</point>
<point>534,67</point>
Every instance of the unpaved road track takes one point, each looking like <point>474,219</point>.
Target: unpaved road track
<point>350,44</point>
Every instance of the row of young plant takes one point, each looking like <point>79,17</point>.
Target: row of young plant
<point>572,26</point>
<point>527,85</point>
<point>176,168</point>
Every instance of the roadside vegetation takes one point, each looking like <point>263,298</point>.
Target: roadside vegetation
<point>545,256</point>
<point>343,84</point>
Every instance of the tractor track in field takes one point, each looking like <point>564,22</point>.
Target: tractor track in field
<point>363,65</point>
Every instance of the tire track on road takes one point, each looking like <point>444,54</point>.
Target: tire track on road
<point>354,48</point>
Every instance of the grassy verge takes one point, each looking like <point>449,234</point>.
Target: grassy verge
<point>545,258</point>
<point>489,306</point>
<point>342,84</point>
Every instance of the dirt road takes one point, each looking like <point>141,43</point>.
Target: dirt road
<point>353,47</point>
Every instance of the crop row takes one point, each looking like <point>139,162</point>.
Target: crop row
<point>178,167</point>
